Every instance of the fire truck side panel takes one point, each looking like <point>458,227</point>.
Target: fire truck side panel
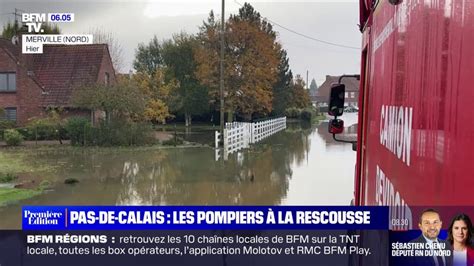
<point>419,148</point>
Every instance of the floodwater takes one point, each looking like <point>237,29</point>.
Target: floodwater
<point>299,166</point>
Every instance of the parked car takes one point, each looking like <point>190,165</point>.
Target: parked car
<point>351,109</point>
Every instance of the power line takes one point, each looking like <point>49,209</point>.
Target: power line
<point>304,35</point>
<point>16,13</point>
<point>312,38</point>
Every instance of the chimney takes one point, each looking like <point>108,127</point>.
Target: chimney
<point>16,40</point>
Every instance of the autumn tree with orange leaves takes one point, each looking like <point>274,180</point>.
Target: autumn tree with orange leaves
<point>251,61</point>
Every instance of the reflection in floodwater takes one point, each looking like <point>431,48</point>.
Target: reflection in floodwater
<point>299,166</point>
<point>349,133</point>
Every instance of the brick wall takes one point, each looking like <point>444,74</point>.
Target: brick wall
<point>28,93</point>
<point>106,66</point>
<point>7,64</point>
<point>27,98</point>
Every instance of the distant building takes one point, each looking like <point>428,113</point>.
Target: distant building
<point>321,97</point>
<point>313,93</point>
<point>30,83</point>
<point>313,88</point>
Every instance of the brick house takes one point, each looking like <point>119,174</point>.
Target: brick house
<point>30,83</point>
<point>352,91</point>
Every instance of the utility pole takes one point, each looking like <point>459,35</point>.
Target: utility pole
<point>16,14</point>
<point>221,86</point>
<point>17,22</point>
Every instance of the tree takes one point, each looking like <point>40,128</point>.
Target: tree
<point>156,111</point>
<point>159,95</point>
<point>249,14</point>
<point>12,29</point>
<point>178,57</point>
<point>252,38</point>
<point>250,64</point>
<point>299,96</point>
<point>120,101</point>
<point>252,68</point>
<point>148,57</point>
<point>206,56</point>
<point>114,46</point>
<point>149,80</point>
<point>281,90</point>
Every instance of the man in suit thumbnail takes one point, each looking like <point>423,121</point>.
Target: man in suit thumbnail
<point>436,251</point>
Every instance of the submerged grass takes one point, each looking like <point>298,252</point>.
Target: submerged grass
<point>13,163</point>
<point>72,150</point>
<point>11,195</point>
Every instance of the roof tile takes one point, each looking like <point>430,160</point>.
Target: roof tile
<point>61,68</point>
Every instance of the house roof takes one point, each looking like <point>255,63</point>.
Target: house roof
<point>352,84</point>
<point>10,49</point>
<point>14,52</point>
<point>61,68</point>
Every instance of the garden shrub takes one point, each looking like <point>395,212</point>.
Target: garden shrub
<point>13,137</point>
<point>50,127</point>
<point>109,133</point>
<point>293,112</point>
<point>77,129</point>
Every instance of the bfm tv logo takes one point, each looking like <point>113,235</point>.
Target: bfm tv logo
<point>42,217</point>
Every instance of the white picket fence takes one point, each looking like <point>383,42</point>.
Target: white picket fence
<point>239,135</point>
<point>264,129</point>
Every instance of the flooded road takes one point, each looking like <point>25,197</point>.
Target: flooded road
<point>299,166</point>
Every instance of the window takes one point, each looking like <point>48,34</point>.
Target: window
<point>7,82</point>
<point>107,78</point>
<point>352,94</point>
<point>346,95</point>
<point>10,114</point>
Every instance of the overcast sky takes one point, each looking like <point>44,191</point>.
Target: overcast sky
<point>134,22</point>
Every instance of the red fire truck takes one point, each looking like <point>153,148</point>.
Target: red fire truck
<point>415,145</point>
<point>416,132</point>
